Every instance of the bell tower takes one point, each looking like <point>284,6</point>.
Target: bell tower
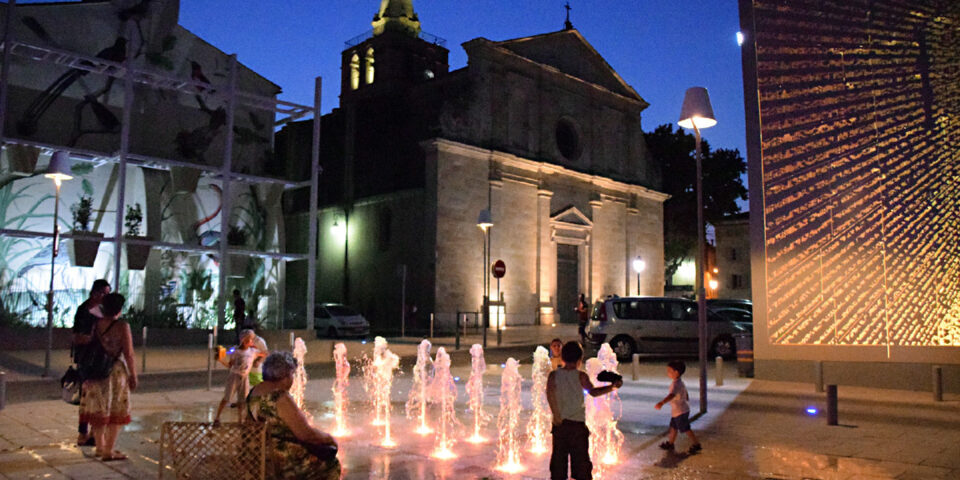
<point>391,57</point>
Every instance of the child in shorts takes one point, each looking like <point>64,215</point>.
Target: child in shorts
<point>238,381</point>
<point>679,408</point>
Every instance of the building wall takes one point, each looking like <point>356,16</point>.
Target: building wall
<point>853,183</point>
<point>733,258</point>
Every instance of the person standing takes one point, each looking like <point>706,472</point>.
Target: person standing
<point>583,314</point>
<point>239,312</point>
<point>679,408</point>
<point>256,371</point>
<point>105,403</point>
<point>87,315</point>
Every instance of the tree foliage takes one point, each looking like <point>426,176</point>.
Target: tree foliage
<point>674,151</point>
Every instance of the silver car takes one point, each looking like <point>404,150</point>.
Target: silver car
<point>336,320</point>
<point>659,325</point>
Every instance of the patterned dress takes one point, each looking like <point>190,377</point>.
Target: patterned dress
<point>287,459</point>
<point>107,401</point>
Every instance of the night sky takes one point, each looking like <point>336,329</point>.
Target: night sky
<point>659,47</point>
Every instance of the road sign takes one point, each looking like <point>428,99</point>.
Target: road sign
<point>499,269</point>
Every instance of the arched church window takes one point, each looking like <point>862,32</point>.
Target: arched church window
<point>369,64</point>
<point>354,72</point>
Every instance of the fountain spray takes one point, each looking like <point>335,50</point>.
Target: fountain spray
<point>539,424</point>
<point>340,390</point>
<point>612,442</point>
<point>508,421</point>
<point>384,365</point>
<point>444,392</point>
<point>417,401</point>
<point>475,392</point>
<point>300,376</point>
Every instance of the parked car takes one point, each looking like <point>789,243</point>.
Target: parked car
<point>659,325</point>
<point>733,314</point>
<point>336,320</point>
<point>715,303</point>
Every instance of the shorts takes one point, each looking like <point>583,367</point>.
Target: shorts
<point>237,385</point>
<point>681,422</point>
<point>256,378</point>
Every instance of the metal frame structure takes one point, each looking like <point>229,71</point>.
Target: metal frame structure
<point>131,76</point>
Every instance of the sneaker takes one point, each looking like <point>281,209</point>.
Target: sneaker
<point>694,448</point>
<point>666,446</point>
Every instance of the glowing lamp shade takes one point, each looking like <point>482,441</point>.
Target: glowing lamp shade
<point>59,168</point>
<point>638,264</point>
<point>484,220</point>
<point>696,109</point>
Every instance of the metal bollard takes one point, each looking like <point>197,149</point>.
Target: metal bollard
<point>3,389</point>
<point>818,376</point>
<point>143,354</point>
<point>719,371</point>
<point>456,331</point>
<point>937,383</point>
<point>831,404</point>
<point>431,325</point>
<point>636,367</point>
<point>210,361</point>
<point>293,341</point>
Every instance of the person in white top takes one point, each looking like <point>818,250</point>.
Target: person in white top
<point>571,438</point>
<point>679,408</point>
<point>238,381</point>
<point>256,372</point>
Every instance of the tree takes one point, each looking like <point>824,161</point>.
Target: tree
<point>674,151</point>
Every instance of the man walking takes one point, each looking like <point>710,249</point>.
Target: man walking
<point>239,313</point>
<point>83,321</point>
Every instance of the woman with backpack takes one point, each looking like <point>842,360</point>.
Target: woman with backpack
<point>110,374</point>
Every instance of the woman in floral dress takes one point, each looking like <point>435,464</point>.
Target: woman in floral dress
<point>105,403</point>
<point>295,448</point>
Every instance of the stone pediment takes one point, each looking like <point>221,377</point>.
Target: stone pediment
<point>570,53</point>
<point>571,215</point>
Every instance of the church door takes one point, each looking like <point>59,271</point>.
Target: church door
<point>568,275</point>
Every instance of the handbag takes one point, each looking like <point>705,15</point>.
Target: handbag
<point>70,386</point>
<point>94,362</point>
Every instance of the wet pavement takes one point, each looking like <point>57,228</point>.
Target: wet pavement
<point>754,429</point>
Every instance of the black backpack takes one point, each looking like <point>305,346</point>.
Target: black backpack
<point>93,361</point>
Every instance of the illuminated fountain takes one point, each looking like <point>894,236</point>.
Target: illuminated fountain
<point>508,421</point>
<point>340,390</point>
<point>443,390</point>
<point>378,374</point>
<point>475,392</point>
<point>417,401</point>
<point>603,412</point>
<point>540,419</point>
<point>300,376</point>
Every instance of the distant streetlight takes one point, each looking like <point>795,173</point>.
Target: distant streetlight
<point>485,222</point>
<point>697,113</point>
<point>58,171</point>
<point>638,266</point>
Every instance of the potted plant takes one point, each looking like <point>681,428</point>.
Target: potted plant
<point>137,255</point>
<point>237,237</point>
<point>184,179</point>
<point>85,243</point>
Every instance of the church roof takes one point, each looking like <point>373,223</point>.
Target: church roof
<point>567,51</point>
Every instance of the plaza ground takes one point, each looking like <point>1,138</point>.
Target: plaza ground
<point>754,429</point>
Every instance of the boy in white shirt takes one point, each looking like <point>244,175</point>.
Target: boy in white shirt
<point>679,408</point>
<point>238,381</point>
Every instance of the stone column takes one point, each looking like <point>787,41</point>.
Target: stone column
<point>546,259</point>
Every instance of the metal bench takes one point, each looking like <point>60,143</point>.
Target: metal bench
<point>195,450</point>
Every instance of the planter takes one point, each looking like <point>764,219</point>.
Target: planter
<point>84,247</point>
<point>238,266</point>
<point>184,179</point>
<point>22,158</point>
<point>137,255</point>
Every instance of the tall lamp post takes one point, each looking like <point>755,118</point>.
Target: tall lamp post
<point>697,113</point>
<point>485,222</point>
<point>58,171</point>
<point>638,266</point>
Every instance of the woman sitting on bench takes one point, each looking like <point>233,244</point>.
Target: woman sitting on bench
<point>295,449</point>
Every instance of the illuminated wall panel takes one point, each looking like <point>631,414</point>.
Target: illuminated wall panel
<point>858,120</point>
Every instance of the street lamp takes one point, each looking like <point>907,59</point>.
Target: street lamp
<point>485,222</point>
<point>638,266</point>
<point>697,113</point>
<point>58,171</point>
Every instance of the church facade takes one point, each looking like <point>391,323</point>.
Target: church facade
<point>540,131</point>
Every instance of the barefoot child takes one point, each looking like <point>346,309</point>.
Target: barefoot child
<point>679,407</point>
<point>571,437</point>
<point>238,382</point>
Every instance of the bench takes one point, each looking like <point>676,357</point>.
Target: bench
<point>196,450</point>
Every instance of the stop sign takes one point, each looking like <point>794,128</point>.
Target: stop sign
<point>499,269</point>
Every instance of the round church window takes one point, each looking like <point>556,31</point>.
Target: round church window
<point>568,139</point>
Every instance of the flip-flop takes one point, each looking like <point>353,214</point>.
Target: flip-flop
<point>114,457</point>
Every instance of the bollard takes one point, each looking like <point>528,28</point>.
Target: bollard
<point>464,324</point>
<point>3,389</point>
<point>143,354</point>
<point>456,331</point>
<point>431,325</point>
<point>719,371</point>
<point>818,376</point>
<point>636,367</point>
<point>937,383</point>
<point>831,404</point>
<point>210,360</point>
<point>293,341</point>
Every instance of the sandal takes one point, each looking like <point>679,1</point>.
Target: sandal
<point>86,441</point>
<point>114,456</point>
<point>695,448</point>
<point>666,446</point>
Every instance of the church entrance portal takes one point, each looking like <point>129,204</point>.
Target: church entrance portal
<point>568,273</point>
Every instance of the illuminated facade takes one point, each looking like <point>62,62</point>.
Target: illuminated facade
<point>539,130</point>
<point>855,184</point>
